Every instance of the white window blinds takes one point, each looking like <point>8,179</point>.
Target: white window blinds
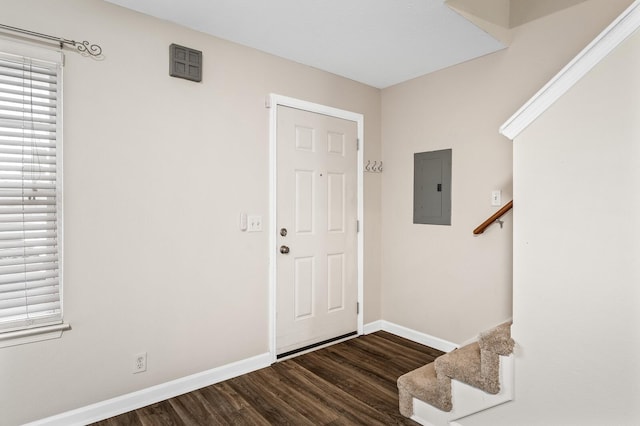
<point>30,193</point>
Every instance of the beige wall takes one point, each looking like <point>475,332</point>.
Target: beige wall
<point>442,280</point>
<point>576,251</point>
<point>157,171</point>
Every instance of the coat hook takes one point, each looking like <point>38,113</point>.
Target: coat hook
<point>376,167</point>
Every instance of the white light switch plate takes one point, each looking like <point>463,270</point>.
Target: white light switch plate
<point>496,198</point>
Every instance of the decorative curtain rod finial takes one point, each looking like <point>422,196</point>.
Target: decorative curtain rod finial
<point>85,48</point>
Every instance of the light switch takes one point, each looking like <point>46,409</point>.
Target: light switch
<point>496,198</point>
<point>243,221</point>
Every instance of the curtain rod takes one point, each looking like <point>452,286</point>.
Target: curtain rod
<point>85,47</point>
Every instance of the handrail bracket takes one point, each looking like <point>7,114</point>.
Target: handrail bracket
<point>495,218</point>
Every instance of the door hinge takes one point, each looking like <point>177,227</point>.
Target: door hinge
<point>357,144</point>
<point>357,307</point>
<point>357,226</point>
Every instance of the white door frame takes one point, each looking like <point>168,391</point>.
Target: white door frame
<point>272,102</point>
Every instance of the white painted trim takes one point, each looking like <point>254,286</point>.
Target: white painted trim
<point>132,401</point>
<point>32,335</point>
<point>413,335</point>
<point>625,25</point>
<point>272,102</point>
<point>372,327</point>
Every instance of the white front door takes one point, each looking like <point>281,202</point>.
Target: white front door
<point>316,220</point>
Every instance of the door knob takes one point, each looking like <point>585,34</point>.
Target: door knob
<point>284,249</point>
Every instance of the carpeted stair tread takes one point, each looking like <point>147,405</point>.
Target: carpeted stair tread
<point>497,340</point>
<point>423,383</point>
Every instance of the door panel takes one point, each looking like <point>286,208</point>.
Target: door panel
<point>304,197</point>
<point>335,287</point>
<point>336,197</point>
<point>316,281</point>
<point>303,287</point>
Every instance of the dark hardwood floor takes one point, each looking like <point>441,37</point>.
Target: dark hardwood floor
<point>350,383</point>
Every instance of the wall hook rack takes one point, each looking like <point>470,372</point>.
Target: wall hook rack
<point>376,167</point>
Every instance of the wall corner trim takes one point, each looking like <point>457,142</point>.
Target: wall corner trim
<point>618,31</point>
<point>134,400</point>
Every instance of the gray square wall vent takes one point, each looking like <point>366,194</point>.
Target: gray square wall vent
<point>185,63</point>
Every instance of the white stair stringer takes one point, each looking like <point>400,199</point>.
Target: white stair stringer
<point>467,399</point>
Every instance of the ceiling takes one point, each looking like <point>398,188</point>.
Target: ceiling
<point>376,42</point>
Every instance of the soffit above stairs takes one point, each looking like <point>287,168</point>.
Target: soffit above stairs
<point>619,30</point>
<point>498,17</point>
<point>511,13</point>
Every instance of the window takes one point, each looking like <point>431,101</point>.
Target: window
<point>30,191</point>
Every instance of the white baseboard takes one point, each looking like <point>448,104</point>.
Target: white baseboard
<point>372,327</point>
<point>132,401</point>
<point>407,333</point>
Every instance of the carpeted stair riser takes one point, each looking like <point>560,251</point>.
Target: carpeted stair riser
<point>467,365</point>
<point>425,385</point>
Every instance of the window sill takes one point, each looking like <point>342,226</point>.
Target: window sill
<point>32,335</point>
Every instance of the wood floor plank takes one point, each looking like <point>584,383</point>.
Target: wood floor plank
<point>303,400</point>
<point>408,344</point>
<point>266,400</point>
<point>347,407</point>
<point>228,407</point>
<point>391,348</point>
<point>160,414</point>
<point>381,366</point>
<point>353,380</point>
<point>126,419</point>
<point>191,409</point>
<point>350,383</point>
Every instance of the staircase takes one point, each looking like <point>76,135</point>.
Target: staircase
<point>462,382</point>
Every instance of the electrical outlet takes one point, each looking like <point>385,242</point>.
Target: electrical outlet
<point>254,224</point>
<point>140,362</point>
